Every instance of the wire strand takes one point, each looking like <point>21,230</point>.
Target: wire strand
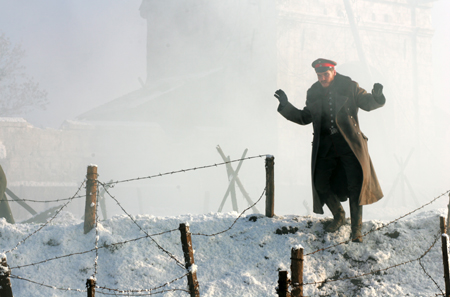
<point>145,232</point>
<point>381,227</point>
<point>379,270</point>
<point>48,222</point>
<point>112,183</point>
<point>214,234</point>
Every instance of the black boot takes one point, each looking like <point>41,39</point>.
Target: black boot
<point>356,219</point>
<point>338,212</point>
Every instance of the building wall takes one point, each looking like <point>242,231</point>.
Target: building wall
<point>50,164</point>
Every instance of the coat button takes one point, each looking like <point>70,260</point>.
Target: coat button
<point>355,125</point>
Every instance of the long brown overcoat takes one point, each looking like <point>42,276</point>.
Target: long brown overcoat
<point>349,98</point>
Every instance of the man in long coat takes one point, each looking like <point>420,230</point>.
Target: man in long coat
<point>340,163</point>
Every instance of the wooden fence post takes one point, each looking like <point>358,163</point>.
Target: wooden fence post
<point>90,285</point>
<point>443,225</point>
<point>91,198</point>
<point>5,282</point>
<point>448,214</point>
<point>186,242</point>
<point>297,271</point>
<point>283,284</point>
<point>445,259</point>
<point>270,186</point>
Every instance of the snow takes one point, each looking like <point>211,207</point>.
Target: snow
<point>243,261</point>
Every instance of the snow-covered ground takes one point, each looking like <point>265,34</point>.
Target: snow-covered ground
<point>244,261</point>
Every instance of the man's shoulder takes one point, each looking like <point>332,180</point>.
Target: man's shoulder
<point>315,87</point>
<point>342,79</point>
<point>344,83</point>
<point>314,91</point>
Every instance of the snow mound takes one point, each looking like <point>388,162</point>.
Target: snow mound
<point>243,261</point>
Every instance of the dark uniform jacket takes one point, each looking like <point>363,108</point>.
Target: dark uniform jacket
<point>349,98</point>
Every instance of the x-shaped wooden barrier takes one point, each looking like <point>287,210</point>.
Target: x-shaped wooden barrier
<point>233,180</point>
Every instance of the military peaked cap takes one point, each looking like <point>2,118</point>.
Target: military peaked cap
<point>322,65</point>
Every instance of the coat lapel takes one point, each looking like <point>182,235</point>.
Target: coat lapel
<point>342,85</point>
<point>340,102</point>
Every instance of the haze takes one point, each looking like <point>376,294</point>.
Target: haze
<point>88,53</point>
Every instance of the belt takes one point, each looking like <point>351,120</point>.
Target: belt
<point>329,131</point>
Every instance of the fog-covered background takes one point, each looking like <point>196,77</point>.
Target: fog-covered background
<point>88,53</point>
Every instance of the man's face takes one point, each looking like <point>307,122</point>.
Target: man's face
<point>325,78</point>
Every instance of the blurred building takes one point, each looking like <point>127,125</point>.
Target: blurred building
<point>212,68</point>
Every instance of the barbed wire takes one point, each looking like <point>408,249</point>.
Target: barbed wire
<point>48,221</point>
<point>113,183</point>
<point>89,251</point>
<point>145,232</point>
<point>146,294</point>
<point>379,270</point>
<point>44,285</point>
<point>214,234</point>
<point>381,227</point>
<point>429,276</point>
<point>47,201</point>
<point>143,290</point>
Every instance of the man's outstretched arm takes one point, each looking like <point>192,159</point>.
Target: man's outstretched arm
<point>290,112</point>
<point>370,101</point>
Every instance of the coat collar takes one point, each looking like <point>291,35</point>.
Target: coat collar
<point>340,85</point>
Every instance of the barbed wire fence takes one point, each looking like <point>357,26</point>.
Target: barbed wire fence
<point>103,289</point>
<point>162,288</point>
<point>297,257</point>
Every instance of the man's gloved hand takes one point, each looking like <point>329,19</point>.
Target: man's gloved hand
<point>377,90</point>
<point>281,96</point>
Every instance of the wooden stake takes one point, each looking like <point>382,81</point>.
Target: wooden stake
<point>186,242</point>
<point>445,259</point>
<point>283,284</point>
<point>238,181</point>
<point>443,226</point>
<point>5,282</point>
<point>448,214</point>
<point>91,199</point>
<point>233,187</point>
<point>297,272</point>
<point>270,186</point>
<point>232,180</point>
<point>90,285</point>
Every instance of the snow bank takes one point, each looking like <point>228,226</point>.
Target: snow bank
<point>243,261</point>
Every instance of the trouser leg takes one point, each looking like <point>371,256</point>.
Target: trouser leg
<point>338,212</point>
<point>354,180</point>
<point>322,176</point>
<point>356,219</point>
<point>354,174</point>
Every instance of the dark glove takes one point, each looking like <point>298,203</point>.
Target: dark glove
<point>377,90</point>
<point>281,96</point>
